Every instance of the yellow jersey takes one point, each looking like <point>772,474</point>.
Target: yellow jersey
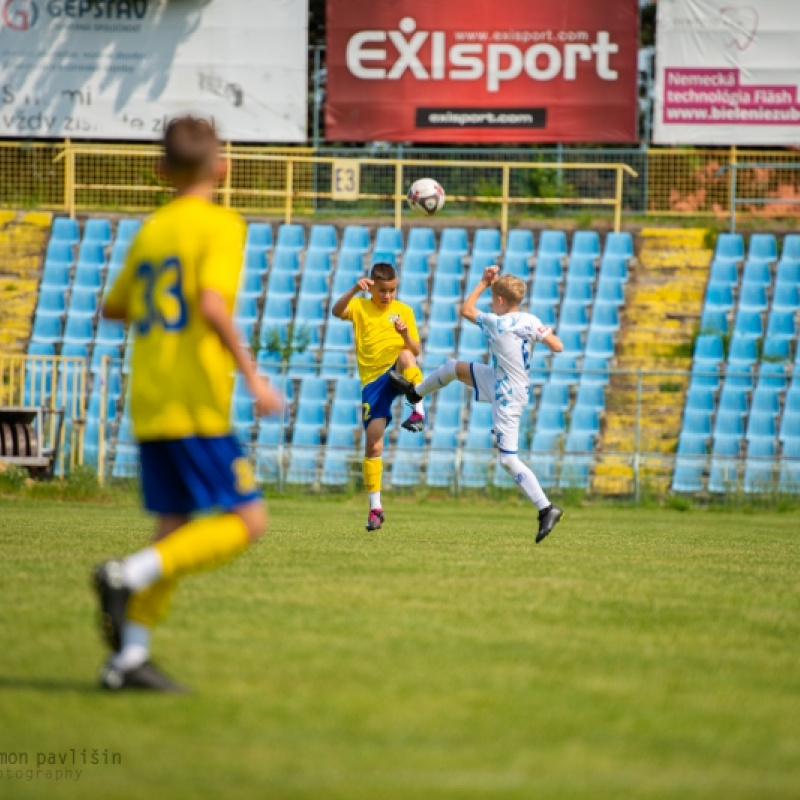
<point>181,374</point>
<point>378,344</point>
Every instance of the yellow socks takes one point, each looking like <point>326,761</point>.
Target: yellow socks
<point>201,544</point>
<point>413,374</point>
<point>373,474</point>
<point>151,604</point>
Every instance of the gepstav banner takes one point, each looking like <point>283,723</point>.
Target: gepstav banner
<point>728,73</point>
<point>477,71</point>
<point>112,69</point>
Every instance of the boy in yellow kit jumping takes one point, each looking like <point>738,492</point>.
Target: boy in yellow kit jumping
<point>386,338</point>
<point>177,291</point>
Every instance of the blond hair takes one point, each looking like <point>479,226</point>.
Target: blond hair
<point>510,288</point>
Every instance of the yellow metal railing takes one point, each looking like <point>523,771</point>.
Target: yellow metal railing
<point>57,384</point>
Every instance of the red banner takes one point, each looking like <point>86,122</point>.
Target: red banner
<point>477,71</point>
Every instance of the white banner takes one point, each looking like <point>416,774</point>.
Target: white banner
<point>117,69</point>
<point>727,73</point>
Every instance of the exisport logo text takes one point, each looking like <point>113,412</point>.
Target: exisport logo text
<point>498,62</point>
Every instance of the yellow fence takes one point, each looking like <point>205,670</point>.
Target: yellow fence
<point>77,177</point>
<point>57,386</point>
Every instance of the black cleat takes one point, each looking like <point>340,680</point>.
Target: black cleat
<point>146,676</point>
<point>548,518</point>
<point>403,386</point>
<point>113,596</point>
<point>415,422</point>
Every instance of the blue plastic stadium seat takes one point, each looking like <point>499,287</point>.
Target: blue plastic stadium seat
<point>46,329</point>
<point>291,237</point>
<point>708,349</point>
<point>618,244</point>
<point>318,261</point>
<point>420,240</point>
<point>550,420</point>
<point>519,242</point>
<point>255,261</point>
<point>786,298</point>
<point>600,344</point>
<point>553,243</point>
<point>573,343</point>
<point>732,399</point>
<point>759,472</point>
<point>449,264</point>
<point>610,293</point>
<point>545,291</point>
<point>753,297</point>
<point>303,461</point>
<point>323,237</point>
<point>443,313</point>
<point>545,311</point>
<point>339,335</point>
<point>344,281</point>
<point>389,240</point>
<point>581,268</point>
<point>65,230</point>
<point>286,262</point>
<point>454,240</point>
<point>547,267</point>
<point>586,243</point>
<point>127,229</point>
<point>334,364</point>
<point>97,230</point>
<point>413,289</point>
<point>594,372</point>
<point>442,457</point>
<point>446,287</point>
<point>246,308</point>
<point>723,271</point>
<point>766,400</point>
<point>613,269</point>
<point>790,426</point>
<point>719,297</point>
<point>487,240</point>
<point>763,247</point>
<point>345,414</point>
<point>416,264</point>
<point>516,265</point>
<point>83,304</point>
<point>788,272</point>
<point>605,318</point>
<point>448,417</point>
<point>277,311</point>
<point>714,322</point>
<point>777,349</point>
<point>87,277</point>
<point>781,325</point>
<point>56,277</point>
<point>441,339</point>
<point>281,283</point>
<point>574,317</point>
<point>355,239</point>
<point>58,252</point>
<point>743,352</point>
<point>303,364</point>
<point>91,254</point>
<point>749,323</point>
<point>383,257</point>
<point>761,426</point>
<point>52,303</point>
<point>314,284</point>
<point>756,273</point>
<point>251,284</point>
<point>555,395</point>
<point>336,467</point>
<point>593,396</point>
<point>696,423</point>
<point>730,246</point>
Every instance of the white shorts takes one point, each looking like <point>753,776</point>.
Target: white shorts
<point>505,418</point>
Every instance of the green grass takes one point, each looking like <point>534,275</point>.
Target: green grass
<point>637,653</point>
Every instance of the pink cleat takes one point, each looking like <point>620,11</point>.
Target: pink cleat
<point>415,423</point>
<point>375,519</point>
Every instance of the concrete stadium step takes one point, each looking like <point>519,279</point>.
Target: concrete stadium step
<point>23,240</point>
<point>658,325</point>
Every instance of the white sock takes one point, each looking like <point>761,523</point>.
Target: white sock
<point>418,407</point>
<point>374,500</point>
<point>135,646</point>
<point>141,569</point>
<point>438,379</point>
<point>525,479</point>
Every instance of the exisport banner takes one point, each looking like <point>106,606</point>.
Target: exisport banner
<point>478,71</point>
<point>728,74</point>
<point>117,69</point>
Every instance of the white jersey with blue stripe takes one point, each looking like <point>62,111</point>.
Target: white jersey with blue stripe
<point>511,338</point>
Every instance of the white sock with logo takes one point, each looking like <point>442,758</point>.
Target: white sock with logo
<point>438,379</point>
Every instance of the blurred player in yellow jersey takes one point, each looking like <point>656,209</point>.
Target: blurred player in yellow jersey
<point>386,338</point>
<point>177,292</point>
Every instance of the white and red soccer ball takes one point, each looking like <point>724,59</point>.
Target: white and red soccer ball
<point>426,197</point>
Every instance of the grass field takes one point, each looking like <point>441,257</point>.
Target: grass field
<point>634,654</point>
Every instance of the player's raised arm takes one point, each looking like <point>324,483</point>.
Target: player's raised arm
<point>339,308</point>
<point>553,342</point>
<point>410,343</point>
<point>468,309</point>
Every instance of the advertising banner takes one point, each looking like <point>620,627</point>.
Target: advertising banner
<point>727,74</point>
<point>474,71</point>
<point>117,69</point>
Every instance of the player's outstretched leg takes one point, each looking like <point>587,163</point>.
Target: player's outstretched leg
<point>409,371</point>
<point>403,386</point>
<point>113,597</point>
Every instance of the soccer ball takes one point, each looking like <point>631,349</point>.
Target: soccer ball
<point>426,196</point>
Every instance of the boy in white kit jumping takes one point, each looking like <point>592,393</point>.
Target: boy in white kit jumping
<point>505,383</point>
